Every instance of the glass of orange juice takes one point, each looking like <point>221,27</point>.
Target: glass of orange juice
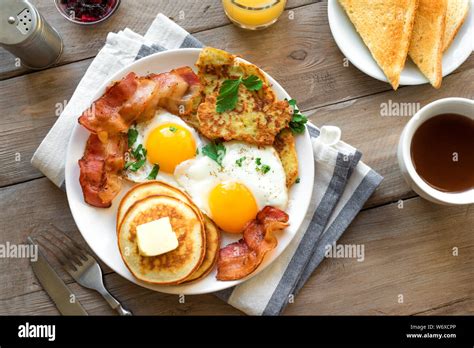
<point>253,14</point>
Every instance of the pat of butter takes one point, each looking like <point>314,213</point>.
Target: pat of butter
<point>156,237</point>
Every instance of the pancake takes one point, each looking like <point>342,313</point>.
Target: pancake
<point>212,249</point>
<point>141,191</point>
<point>212,233</point>
<point>171,267</point>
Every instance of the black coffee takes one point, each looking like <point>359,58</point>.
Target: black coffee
<point>442,151</point>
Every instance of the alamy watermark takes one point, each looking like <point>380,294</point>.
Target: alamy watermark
<point>19,251</point>
<point>396,109</point>
<point>345,251</point>
<point>28,330</point>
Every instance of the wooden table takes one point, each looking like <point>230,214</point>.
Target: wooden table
<point>408,251</point>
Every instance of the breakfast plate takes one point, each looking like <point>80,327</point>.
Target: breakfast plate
<point>98,226</point>
<point>351,45</point>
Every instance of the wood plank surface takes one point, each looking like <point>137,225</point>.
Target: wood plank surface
<point>82,42</point>
<point>408,251</point>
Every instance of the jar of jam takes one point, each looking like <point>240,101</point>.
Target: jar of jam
<point>87,11</point>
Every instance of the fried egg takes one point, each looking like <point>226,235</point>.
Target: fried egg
<point>167,141</point>
<point>249,178</point>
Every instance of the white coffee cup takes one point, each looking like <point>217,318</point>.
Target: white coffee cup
<point>459,106</point>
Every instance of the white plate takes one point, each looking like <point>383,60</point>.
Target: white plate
<point>352,46</point>
<point>98,225</point>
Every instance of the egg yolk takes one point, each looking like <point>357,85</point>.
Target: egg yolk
<point>232,206</point>
<point>168,145</point>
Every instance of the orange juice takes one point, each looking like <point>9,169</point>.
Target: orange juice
<point>253,14</point>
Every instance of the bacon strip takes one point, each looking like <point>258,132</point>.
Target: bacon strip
<point>136,98</point>
<point>239,259</point>
<point>179,91</point>
<point>100,168</point>
<point>132,99</point>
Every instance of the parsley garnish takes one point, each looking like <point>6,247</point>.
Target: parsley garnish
<point>173,129</point>
<point>265,168</point>
<point>215,151</point>
<point>134,166</point>
<point>239,161</point>
<point>154,172</point>
<point>297,181</point>
<point>229,91</point>
<point>132,136</point>
<point>298,120</point>
<point>262,168</point>
<point>252,83</point>
<point>139,154</point>
<point>228,95</point>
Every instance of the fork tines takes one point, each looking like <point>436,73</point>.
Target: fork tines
<point>67,251</point>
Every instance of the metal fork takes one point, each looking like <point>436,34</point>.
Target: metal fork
<point>80,265</point>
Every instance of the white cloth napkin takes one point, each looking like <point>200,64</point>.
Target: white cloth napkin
<point>342,183</point>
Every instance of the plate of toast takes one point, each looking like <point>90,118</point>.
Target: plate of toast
<point>404,42</point>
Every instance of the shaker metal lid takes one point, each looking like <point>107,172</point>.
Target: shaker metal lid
<point>18,20</point>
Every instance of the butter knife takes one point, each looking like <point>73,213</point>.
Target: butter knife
<point>54,285</point>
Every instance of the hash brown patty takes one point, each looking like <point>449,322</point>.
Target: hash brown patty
<point>257,118</point>
<point>286,148</point>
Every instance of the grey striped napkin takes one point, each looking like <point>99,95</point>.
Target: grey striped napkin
<point>342,182</point>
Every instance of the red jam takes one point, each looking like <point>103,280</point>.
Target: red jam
<point>87,10</point>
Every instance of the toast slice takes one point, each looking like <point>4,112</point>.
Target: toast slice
<point>426,46</point>
<point>455,16</point>
<point>385,27</point>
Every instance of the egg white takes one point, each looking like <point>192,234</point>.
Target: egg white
<point>144,129</point>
